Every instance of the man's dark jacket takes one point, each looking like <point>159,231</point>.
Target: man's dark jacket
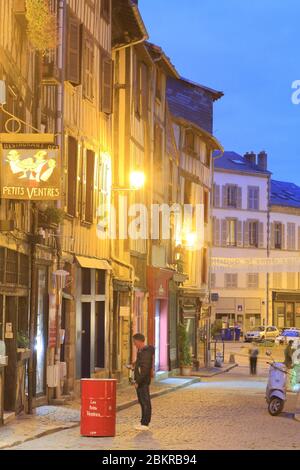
<point>143,366</point>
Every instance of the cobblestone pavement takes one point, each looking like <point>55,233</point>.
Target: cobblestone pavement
<point>225,412</point>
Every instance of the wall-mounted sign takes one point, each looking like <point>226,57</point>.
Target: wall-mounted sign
<point>30,170</point>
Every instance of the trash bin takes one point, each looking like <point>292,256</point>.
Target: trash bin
<point>237,334</point>
<point>231,334</point>
<point>98,407</point>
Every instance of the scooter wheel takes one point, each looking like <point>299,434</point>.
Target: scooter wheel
<point>275,406</point>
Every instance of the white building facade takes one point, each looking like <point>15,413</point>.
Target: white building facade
<point>256,245</point>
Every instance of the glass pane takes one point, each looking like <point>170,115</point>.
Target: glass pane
<point>100,282</point>
<point>290,315</point>
<point>11,267</point>
<point>86,281</point>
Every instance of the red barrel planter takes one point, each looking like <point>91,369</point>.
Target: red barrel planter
<point>98,407</point>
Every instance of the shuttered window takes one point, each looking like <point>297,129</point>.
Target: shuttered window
<point>216,195</point>
<point>190,142</point>
<point>231,232</point>
<point>253,234</point>
<point>206,207</point>
<point>73,50</point>
<point>278,236</point>
<point>107,85</point>
<point>89,198</point>
<point>72,175</point>
<point>88,65</point>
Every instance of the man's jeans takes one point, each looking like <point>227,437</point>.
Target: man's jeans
<point>143,393</point>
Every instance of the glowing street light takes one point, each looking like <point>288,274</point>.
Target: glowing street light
<point>191,240</point>
<point>137,180</point>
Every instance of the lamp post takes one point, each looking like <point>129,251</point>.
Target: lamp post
<point>60,282</point>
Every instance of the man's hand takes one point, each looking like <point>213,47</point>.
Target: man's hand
<point>136,386</point>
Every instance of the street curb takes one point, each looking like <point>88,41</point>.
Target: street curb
<point>122,407</point>
<point>219,372</point>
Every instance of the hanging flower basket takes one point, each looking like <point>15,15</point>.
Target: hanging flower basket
<point>42,25</point>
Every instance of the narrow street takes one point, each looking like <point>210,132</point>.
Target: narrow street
<point>224,412</point>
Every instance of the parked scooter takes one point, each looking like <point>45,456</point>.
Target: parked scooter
<point>276,388</point>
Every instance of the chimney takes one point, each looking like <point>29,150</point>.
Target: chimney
<point>263,161</point>
<point>250,158</point>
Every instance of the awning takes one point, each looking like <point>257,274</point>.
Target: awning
<point>94,263</point>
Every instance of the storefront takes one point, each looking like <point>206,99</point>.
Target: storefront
<point>14,326</point>
<point>286,309</point>
<point>92,317</point>
<point>158,321</point>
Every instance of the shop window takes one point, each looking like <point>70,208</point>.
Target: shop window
<point>24,270</point>
<point>2,252</point>
<point>100,282</point>
<point>86,281</point>
<point>11,267</point>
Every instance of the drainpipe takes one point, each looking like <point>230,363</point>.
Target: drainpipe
<point>208,328</point>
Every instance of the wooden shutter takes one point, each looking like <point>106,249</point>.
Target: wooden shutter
<point>216,195</point>
<point>260,235</point>
<point>72,176</point>
<point>272,234</point>
<point>224,232</point>
<point>144,90</point>
<point>246,234</point>
<point>73,49</point>
<point>239,234</point>
<point>107,85</point>
<point>239,198</point>
<point>88,59</point>
<point>224,196</point>
<point>283,237</point>
<point>90,175</point>
<point>291,236</point>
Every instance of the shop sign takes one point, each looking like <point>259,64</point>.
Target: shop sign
<point>30,170</point>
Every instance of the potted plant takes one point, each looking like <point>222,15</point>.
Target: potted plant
<point>23,344</point>
<point>51,217</point>
<point>184,351</point>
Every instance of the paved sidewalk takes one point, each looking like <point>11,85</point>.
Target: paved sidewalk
<point>51,419</point>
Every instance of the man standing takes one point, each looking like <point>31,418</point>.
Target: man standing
<point>142,376</point>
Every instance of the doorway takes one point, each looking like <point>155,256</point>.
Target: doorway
<point>157,335</point>
<point>86,341</point>
<point>100,335</point>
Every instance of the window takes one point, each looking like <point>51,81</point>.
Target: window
<point>206,207</point>
<point>253,234</point>
<point>86,279</point>
<point>11,267</point>
<point>253,281</point>
<point>100,282</point>
<point>141,90</point>
<point>208,156</point>
<point>89,198</point>
<point>213,280</point>
<point>278,235</point>
<point>72,176</point>
<point>73,50</point>
<point>253,198</point>
<point>232,196</point>
<point>231,232</point>
<point>190,142</point>
<point>105,10</point>
<point>107,85</point>
<point>88,66</point>
<point>231,281</point>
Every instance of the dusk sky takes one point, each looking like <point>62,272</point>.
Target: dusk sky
<point>250,51</point>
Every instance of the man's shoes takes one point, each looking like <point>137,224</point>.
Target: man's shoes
<point>142,428</point>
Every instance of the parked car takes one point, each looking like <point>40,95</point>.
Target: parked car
<point>289,334</point>
<point>261,333</point>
